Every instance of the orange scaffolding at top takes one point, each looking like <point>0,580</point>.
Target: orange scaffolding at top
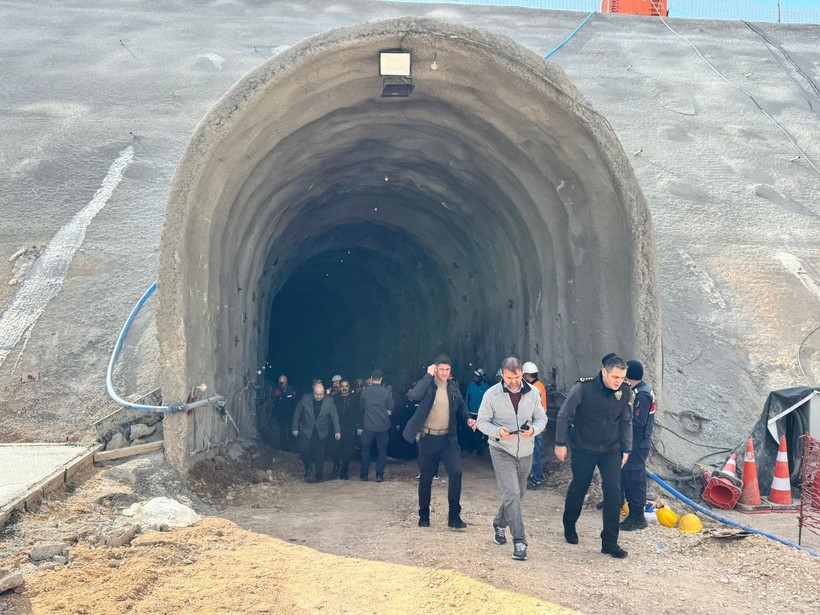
<point>635,7</point>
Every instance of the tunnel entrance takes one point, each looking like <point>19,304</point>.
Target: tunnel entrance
<point>316,227</point>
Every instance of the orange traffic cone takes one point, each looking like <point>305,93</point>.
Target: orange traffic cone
<point>781,492</point>
<point>723,487</point>
<point>730,469</point>
<point>750,495</point>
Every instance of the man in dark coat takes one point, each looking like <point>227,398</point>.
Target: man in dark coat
<point>283,404</point>
<point>600,411</point>
<point>376,404</point>
<point>311,424</point>
<point>350,417</point>
<point>633,474</point>
<point>435,426</point>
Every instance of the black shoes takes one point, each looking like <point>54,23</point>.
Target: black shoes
<point>424,522</point>
<point>379,478</point>
<point>344,476</point>
<point>534,485</point>
<point>630,524</point>
<point>500,535</point>
<point>614,550</point>
<point>520,551</point>
<point>571,536</point>
<point>456,523</point>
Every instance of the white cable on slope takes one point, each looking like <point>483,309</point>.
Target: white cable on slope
<point>734,85</point>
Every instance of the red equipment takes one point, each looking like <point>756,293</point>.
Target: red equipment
<point>809,516</point>
<point>636,7</point>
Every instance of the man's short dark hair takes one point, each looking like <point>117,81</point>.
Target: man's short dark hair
<point>377,374</point>
<point>511,364</point>
<point>443,359</point>
<point>614,361</point>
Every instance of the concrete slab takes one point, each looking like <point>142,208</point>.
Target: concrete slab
<point>26,466</point>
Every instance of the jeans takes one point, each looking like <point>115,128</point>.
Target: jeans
<point>381,438</point>
<point>537,474</point>
<point>511,474</point>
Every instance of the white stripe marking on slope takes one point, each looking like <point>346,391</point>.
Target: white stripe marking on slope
<point>46,276</point>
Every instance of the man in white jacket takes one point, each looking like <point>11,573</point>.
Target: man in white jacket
<point>511,415</point>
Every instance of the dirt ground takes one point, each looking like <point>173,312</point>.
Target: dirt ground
<point>279,545</point>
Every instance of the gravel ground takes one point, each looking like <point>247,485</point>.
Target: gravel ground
<point>360,521</point>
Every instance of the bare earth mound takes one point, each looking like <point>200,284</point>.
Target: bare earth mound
<point>216,566</point>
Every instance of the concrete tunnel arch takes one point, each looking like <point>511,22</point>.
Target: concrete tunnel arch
<point>314,225</point>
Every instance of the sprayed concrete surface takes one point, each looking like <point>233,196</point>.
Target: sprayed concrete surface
<point>26,465</point>
<point>734,206</point>
<point>469,220</point>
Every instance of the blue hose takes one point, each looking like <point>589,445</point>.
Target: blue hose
<point>109,381</point>
<point>566,40</point>
<point>709,513</point>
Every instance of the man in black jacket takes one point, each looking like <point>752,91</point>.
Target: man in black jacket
<point>311,424</point>
<point>633,474</point>
<point>376,404</point>
<point>600,410</point>
<point>283,404</point>
<point>349,418</point>
<point>435,426</point>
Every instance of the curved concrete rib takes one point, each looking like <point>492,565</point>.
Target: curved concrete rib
<point>317,227</point>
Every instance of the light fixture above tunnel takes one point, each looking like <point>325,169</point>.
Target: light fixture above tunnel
<point>394,63</point>
<point>394,66</point>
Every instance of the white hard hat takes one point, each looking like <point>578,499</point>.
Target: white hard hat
<point>530,368</point>
<point>336,378</point>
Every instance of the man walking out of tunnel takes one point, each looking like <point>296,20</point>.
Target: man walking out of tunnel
<point>633,474</point>
<point>475,393</point>
<point>285,398</point>
<point>435,426</point>
<point>537,474</point>
<point>376,404</point>
<point>349,417</point>
<point>335,385</point>
<point>600,411</point>
<point>311,424</point>
<point>511,415</point>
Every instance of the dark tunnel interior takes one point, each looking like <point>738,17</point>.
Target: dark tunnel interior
<point>361,304</point>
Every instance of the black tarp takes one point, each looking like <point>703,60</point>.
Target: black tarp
<point>791,426</point>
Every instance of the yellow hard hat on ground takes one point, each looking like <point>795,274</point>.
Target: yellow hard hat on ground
<point>625,509</point>
<point>667,517</point>
<point>690,524</point>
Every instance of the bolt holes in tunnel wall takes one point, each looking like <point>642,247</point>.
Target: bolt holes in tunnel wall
<point>314,226</point>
